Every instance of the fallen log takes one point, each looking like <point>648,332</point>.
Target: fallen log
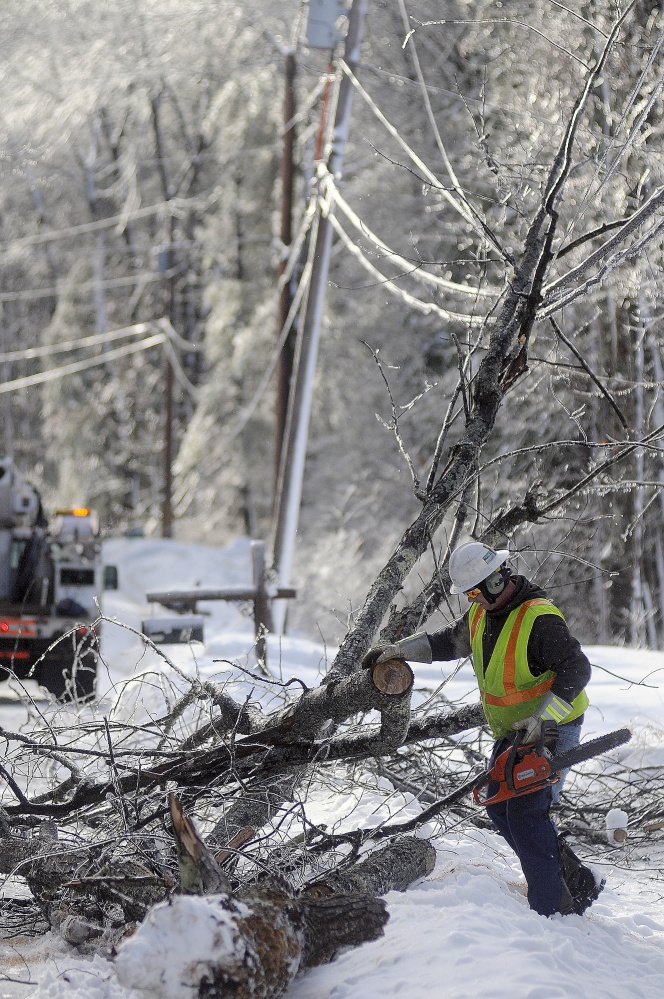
<point>394,868</point>
<point>250,945</point>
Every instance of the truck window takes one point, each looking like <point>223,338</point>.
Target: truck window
<point>77,577</point>
<point>15,552</point>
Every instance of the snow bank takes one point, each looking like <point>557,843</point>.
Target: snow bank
<point>467,933</point>
<point>80,979</point>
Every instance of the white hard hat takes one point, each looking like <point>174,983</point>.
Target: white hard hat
<point>472,562</point>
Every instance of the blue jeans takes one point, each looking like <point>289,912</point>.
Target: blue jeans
<point>525,824</point>
<point>568,737</point>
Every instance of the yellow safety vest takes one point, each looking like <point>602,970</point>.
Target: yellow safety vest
<point>508,689</point>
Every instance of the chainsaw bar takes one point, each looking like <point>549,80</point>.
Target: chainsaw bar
<point>586,750</point>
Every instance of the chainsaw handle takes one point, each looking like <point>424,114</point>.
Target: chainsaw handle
<point>505,783</point>
<point>501,794</point>
<point>517,742</point>
<point>532,772</point>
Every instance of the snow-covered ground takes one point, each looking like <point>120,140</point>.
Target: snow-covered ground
<point>465,932</point>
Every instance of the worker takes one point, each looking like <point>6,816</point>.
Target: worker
<point>530,670</point>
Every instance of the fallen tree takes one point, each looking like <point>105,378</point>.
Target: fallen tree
<point>96,849</point>
<point>264,934</point>
<point>117,854</point>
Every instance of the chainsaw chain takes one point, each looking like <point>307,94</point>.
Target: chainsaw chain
<point>586,750</point>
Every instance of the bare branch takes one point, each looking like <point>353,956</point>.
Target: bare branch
<point>586,367</point>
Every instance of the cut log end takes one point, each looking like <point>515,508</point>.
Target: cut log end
<point>339,921</point>
<point>394,677</point>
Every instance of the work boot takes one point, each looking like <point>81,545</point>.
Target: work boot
<point>566,907</point>
<point>580,882</point>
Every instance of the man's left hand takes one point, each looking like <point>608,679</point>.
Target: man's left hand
<point>530,726</point>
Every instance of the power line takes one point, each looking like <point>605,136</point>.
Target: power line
<point>68,369</point>
<point>388,284</point>
<point>88,341</point>
<point>173,206</point>
<point>406,264</point>
<point>138,329</point>
<point>32,294</point>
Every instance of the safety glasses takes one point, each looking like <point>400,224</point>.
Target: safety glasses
<point>473,593</point>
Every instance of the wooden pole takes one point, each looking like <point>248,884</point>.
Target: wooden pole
<point>167,505</point>
<point>285,365</point>
<point>262,615</point>
<point>166,268</point>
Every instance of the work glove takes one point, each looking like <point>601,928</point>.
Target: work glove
<point>381,653</point>
<point>531,727</point>
<point>552,709</point>
<point>415,649</point>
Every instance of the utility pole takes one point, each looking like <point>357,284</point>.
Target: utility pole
<point>291,473</point>
<point>166,267</point>
<point>285,365</point>
<point>165,264</point>
<point>167,506</point>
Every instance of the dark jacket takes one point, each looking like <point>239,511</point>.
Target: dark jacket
<point>550,647</point>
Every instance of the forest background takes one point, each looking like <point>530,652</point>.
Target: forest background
<point>141,148</point>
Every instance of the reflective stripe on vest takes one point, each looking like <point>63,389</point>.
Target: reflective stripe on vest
<point>508,688</point>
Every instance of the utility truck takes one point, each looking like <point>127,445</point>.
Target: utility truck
<point>51,580</point>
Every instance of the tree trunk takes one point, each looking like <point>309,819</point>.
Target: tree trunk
<point>249,947</point>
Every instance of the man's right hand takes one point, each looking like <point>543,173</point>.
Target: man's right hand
<point>415,648</point>
<point>381,653</point>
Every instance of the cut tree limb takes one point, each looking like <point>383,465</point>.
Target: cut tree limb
<point>338,698</point>
<point>199,768</point>
<point>393,868</point>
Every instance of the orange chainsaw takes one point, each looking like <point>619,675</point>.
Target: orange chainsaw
<point>519,769</point>
<point>524,768</point>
